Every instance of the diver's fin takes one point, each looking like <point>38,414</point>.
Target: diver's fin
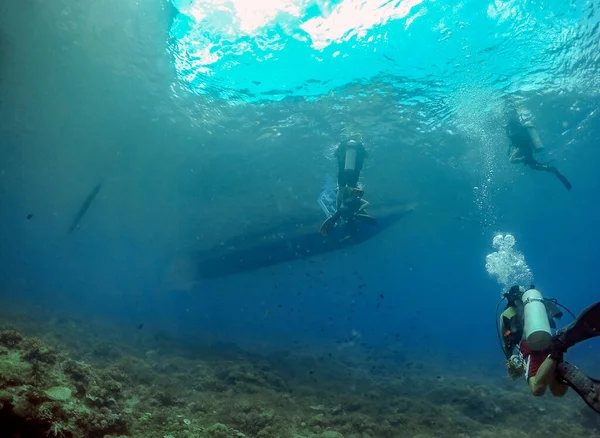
<point>562,178</point>
<point>329,224</point>
<point>585,326</point>
<point>586,387</point>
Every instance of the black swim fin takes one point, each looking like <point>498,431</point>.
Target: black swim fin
<point>587,388</point>
<point>585,326</point>
<point>329,224</point>
<point>562,178</point>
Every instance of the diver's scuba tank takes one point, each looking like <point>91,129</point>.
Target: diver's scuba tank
<point>350,159</point>
<point>526,121</point>
<point>534,137</point>
<point>536,323</point>
<point>529,316</point>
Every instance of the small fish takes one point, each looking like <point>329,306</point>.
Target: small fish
<point>30,215</point>
<point>140,326</point>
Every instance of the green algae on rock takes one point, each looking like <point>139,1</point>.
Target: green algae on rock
<point>58,393</point>
<point>36,399</point>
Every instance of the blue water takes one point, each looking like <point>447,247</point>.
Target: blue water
<point>212,120</point>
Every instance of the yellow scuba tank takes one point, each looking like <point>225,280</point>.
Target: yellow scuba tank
<point>536,323</point>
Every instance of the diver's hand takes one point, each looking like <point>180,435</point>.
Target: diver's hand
<point>515,366</point>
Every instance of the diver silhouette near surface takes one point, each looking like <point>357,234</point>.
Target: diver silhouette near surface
<point>525,324</point>
<point>350,205</point>
<point>524,143</point>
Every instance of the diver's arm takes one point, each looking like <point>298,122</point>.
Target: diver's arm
<point>516,156</point>
<point>505,346</point>
<point>507,352</point>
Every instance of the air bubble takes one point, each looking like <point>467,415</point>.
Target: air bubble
<point>507,265</point>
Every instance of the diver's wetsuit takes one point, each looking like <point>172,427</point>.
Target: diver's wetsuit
<point>349,178</point>
<point>519,137</point>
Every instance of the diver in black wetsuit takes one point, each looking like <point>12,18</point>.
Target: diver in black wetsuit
<point>350,205</point>
<point>524,143</point>
<point>350,156</point>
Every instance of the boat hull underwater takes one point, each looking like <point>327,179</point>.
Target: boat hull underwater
<point>286,243</point>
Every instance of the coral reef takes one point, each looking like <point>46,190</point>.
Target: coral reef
<point>45,393</point>
<point>153,388</point>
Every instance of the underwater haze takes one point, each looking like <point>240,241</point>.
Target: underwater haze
<point>161,164</point>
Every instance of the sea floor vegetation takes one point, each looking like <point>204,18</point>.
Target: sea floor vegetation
<point>68,378</point>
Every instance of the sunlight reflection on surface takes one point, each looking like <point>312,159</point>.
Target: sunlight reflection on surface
<point>218,35</point>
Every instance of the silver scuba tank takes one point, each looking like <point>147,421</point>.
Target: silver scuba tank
<point>536,324</point>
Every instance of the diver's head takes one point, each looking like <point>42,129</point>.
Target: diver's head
<point>514,294</point>
<point>358,192</point>
<point>350,193</point>
<point>353,140</point>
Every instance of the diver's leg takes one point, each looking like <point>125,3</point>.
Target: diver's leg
<point>339,198</point>
<point>352,178</point>
<point>516,156</point>
<point>544,375</point>
<point>558,389</point>
<point>535,165</point>
<point>343,177</point>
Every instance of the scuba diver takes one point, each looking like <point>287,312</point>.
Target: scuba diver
<point>349,203</point>
<point>525,323</point>
<point>350,156</point>
<point>525,141</point>
<point>350,207</point>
